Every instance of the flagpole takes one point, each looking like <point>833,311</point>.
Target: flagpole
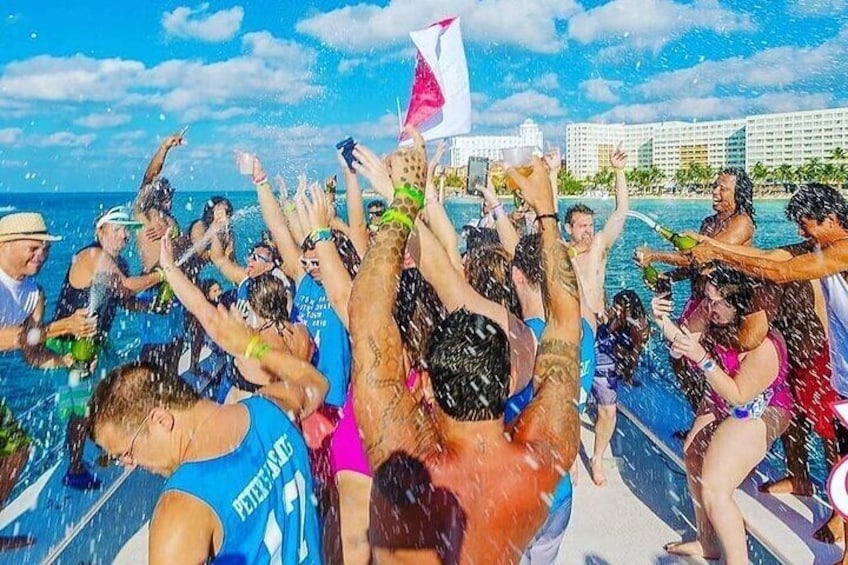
<point>400,120</point>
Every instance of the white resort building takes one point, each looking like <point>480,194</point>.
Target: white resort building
<point>489,146</point>
<point>771,139</point>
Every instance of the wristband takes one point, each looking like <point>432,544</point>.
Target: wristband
<point>707,364</point>
<point>541,217</point>
<point>261,180</point>
<point>260,350</point>
<point>290,207</point>
<point>498,211</point>
<point>392,216</point>
<point>321,234</point>
<point>161,272</point>
<point>572,252</point>
<point>412,191</point>
<point>256,348</point>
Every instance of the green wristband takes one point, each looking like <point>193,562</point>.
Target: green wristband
<point>396,216</point>
<point>321,234</point>
<point>412,191</point>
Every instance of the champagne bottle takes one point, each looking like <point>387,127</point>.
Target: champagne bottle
<point>658,282</point>
<point>681,242</point>
<point>83,352</point>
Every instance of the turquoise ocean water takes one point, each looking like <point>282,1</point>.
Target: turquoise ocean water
<point>30,392</point>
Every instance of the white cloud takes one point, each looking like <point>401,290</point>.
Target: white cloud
<point>777,67</point>
<point>547,81</point>
<point>357,29</point>
<point>198,113</point>
<point>817,7</point>
<point>650,24</point>
<point>104,120</point>
<point>8,136</point>
<point>514,109</point>
<point>270,70</point>
<point>75,78</point>
<point>601,90</point>
<point>198,23</point>
<point>64,139</point>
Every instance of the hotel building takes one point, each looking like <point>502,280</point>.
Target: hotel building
<point>771,139</point>
<point>489,146</point>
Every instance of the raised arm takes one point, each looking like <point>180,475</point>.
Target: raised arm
<point>355,210</point>
<point>615,223</point>
<point>301,387</point>
<point>550,424</point>
<point>231,270</point>
<point>158,159</point>
<point>335,278</point>
<point>450,285</point>
<point>388,416</point>
<point>506,231</point>
<point>276,222</point>
<point>779,267</point>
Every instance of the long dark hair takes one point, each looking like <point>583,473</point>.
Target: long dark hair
<point>209,209</point>
<point>268,298</point>
<point>738,290</point>
<point>744,191</point>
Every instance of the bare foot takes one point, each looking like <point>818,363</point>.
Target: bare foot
<point>787,486</point>
<point>688,549</point>
<point>832,530</point>
<point>597,467</point>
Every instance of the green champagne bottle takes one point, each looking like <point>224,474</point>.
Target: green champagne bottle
<point>658,282</point>
<point>681,242</point>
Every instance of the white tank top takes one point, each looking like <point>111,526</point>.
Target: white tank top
<point>18,299</point>
<point>835,290</point>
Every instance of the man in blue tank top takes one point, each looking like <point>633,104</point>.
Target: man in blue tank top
<point>239,486</point>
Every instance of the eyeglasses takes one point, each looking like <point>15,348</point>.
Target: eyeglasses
<point>257,257</point>
<point>127,456</point>
<point>308,264</point>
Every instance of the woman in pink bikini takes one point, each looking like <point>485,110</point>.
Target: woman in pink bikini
<point>745,407</point>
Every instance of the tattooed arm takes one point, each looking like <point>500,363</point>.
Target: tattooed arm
<point>389,418</point>
<point>550,423</point>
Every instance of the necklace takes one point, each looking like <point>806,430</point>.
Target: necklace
<point>194,433</point>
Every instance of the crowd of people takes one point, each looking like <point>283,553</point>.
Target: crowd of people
<point>344,397</point>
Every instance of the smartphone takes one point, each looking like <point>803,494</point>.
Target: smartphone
<point>347,145</point>
<point>478,174</point>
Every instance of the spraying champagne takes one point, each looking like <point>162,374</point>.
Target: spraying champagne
<point>681,242</point>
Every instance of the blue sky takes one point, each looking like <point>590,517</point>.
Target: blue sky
<point>88,88</point>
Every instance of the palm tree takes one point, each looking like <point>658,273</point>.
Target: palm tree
<point>810,171</point>
<point>837,154</point>
<point>785,175</point>
<point>760,174</point>
<point>568,184</point>
<point>604,179</point>
<point>656,177</point>
<point>683,177</point>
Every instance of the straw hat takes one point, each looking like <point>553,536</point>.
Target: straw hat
<point>24,225</point>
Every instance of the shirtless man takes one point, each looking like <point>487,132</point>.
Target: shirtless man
<point>239,486</point>
<point>821,214</point>
<point>436,496</point>
<point>590,251</point>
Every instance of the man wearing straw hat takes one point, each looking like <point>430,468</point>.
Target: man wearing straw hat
<point>24,245</point>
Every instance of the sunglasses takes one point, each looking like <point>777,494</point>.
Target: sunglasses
<point>308,264</point>
<point>257,257</point>
<point>127,457</point>
<point>377,212</point>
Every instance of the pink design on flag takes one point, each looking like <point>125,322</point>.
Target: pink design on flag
<point>440,104</point>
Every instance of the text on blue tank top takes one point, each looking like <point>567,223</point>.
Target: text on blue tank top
<point>332,344</point>
<point>261,492</point>
<point>587,362</point>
